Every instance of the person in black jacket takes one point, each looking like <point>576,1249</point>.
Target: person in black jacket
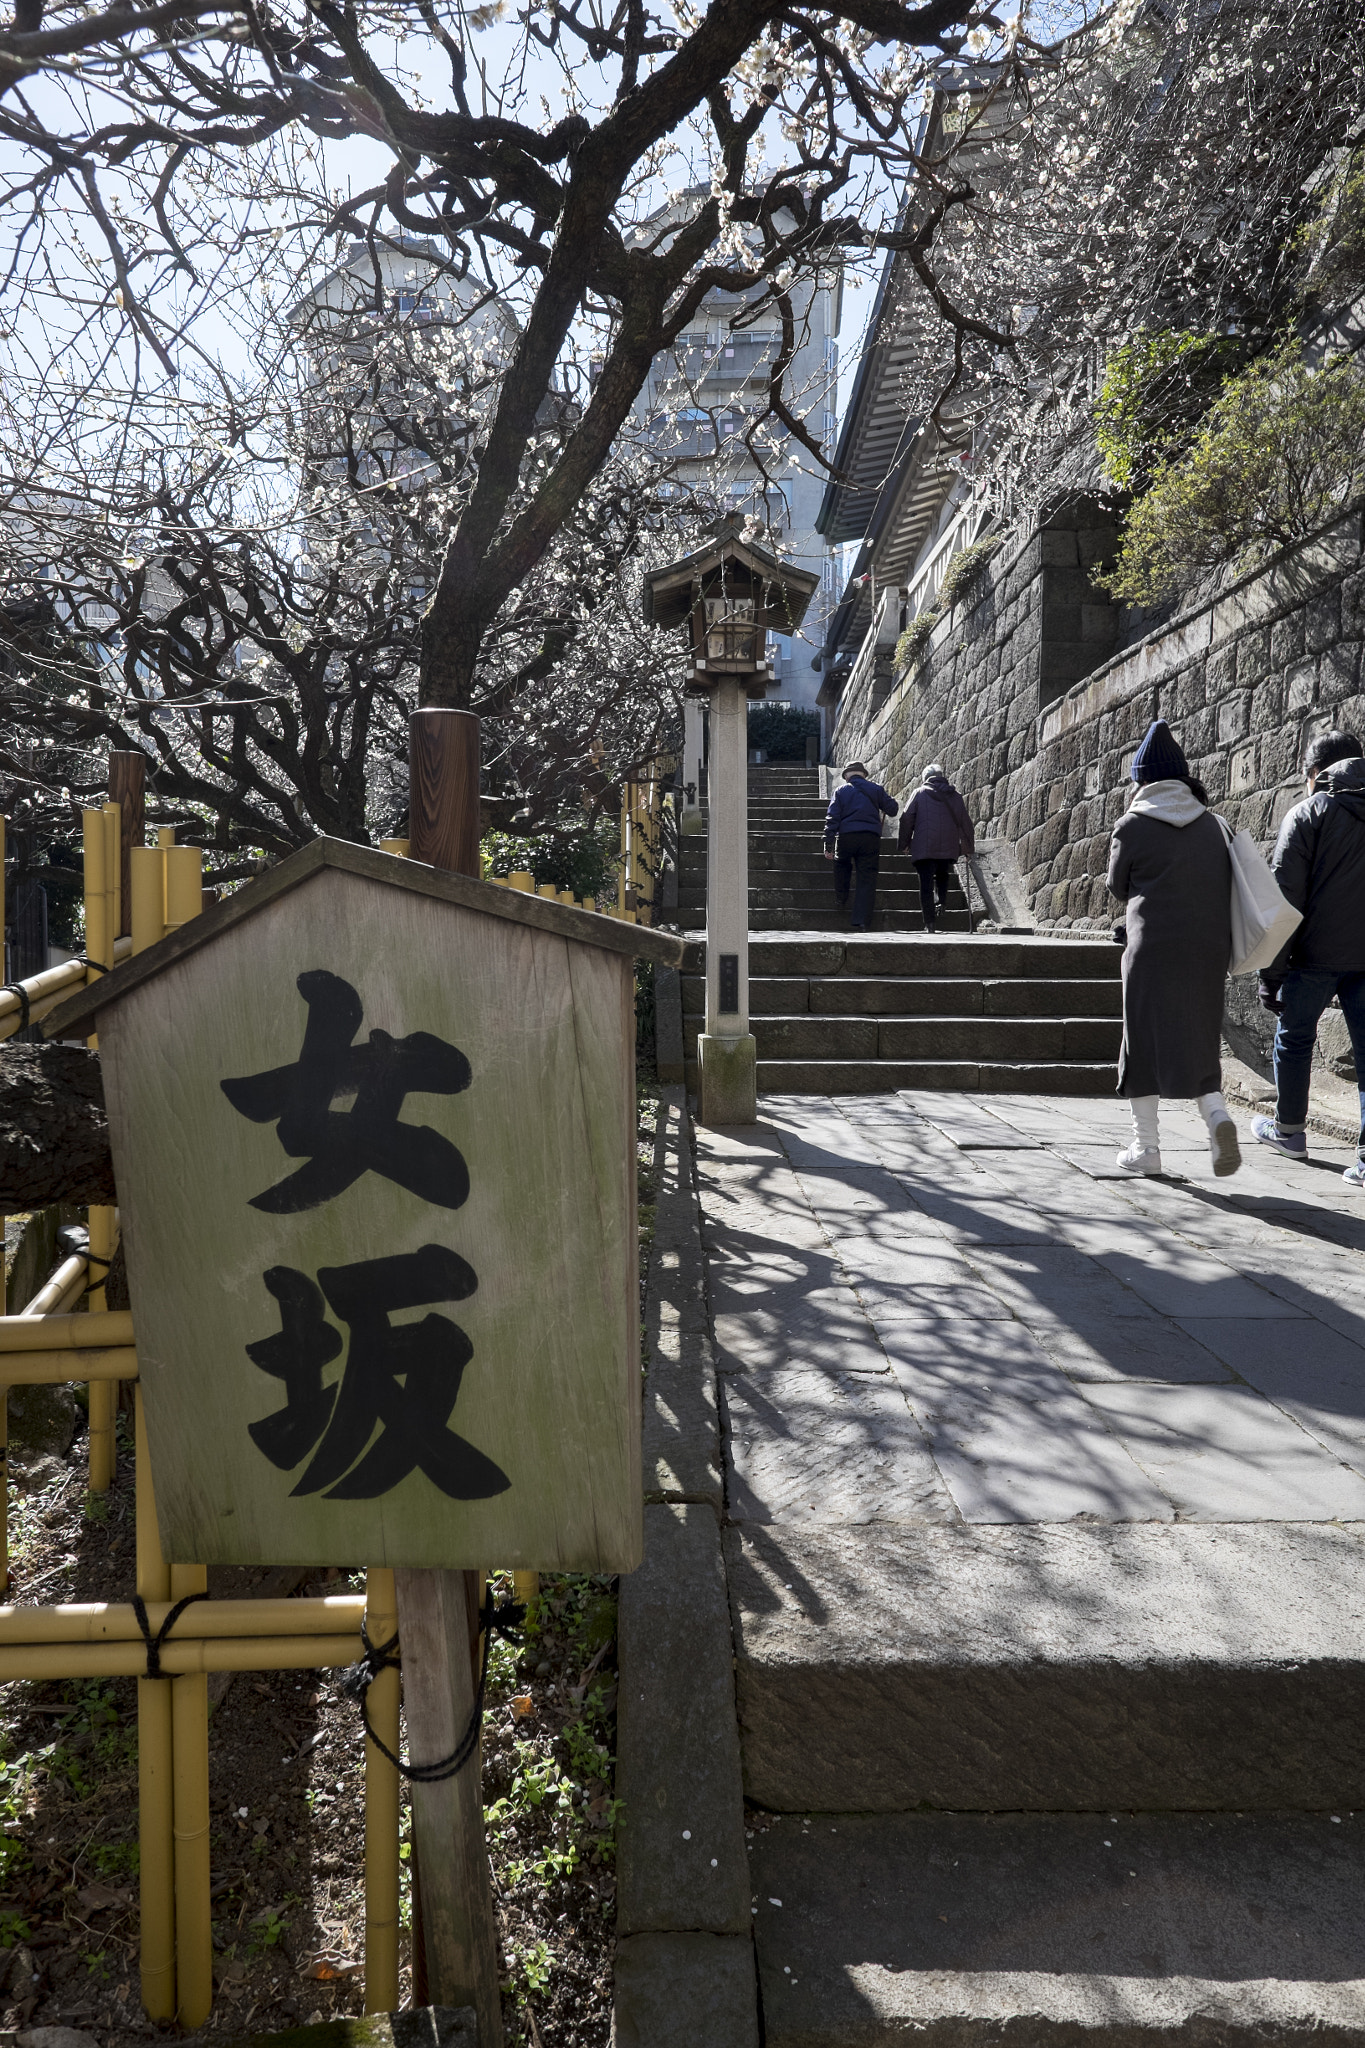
<point>853,840</point>
<point>1319,863</point>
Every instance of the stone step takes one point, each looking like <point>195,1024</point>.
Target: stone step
<point>816,895</point>
<point>826,920</point>
<point>911,996</point>
<point>1111,1929</point>
<point>875,1077</point>
<point>1053,1041</point>
<point>1056,1667</point>
<point>980,956</point>
<point>808,864</point>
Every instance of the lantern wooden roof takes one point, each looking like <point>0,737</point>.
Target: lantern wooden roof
<point>780,591</point>
<point>615,935</point>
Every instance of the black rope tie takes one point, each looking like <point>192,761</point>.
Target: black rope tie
<point>16,988</point>
<point>154,1642</point>
<point>494,1620</point>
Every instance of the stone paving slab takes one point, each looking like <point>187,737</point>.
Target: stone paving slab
<point>1225,1454</point>
<point>1126,1348</point>
<point>841,1230</point>
<point>834,1449</point>
<point>1012,1437</point>
<point>952,1929</point>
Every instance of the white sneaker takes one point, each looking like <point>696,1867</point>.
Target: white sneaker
<point>1224,1148</point>
<point>1139,1159</point>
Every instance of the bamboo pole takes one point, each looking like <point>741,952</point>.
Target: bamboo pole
<point>102,1394</point>
<point>114,1621</point>
<point>525,1586</point>
<point>127,784</point>
<point>156,1839</point>
<point>42,1662</point>
<point>147,886</point>
<point>397,847</point>
<point>381,1806</point>
<point>184,884</point>
<point>190,1799</point>
<point>37,1331</point>
<point>55,1368</point>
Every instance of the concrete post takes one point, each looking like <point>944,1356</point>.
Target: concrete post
<point>726,1053</point>
<point>692,765</point>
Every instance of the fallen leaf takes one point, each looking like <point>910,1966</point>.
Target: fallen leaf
<point>326,1968</point>
<point>523,1706</point>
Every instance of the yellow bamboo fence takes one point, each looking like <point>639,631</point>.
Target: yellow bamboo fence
<point>50,1344</point>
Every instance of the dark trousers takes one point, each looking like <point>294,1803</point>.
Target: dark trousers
<point>1304,995</point>
<point>857,856</point>
<point>934,875</point>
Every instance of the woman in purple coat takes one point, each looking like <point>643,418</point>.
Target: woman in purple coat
<point>935,831</point>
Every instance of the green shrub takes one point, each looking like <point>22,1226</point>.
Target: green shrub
<point>572,858</point>
<point>780,731</point>
<point>913,641</point>
<point>1156,387</point>
<point>963,571</point>
<point>1282,445</point>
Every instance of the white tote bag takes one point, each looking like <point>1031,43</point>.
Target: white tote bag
<point>1262,916</point>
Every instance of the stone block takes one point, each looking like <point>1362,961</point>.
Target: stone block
<point>1166,1666</point>
<point>1116,1930</point>
<point>1322,621</point>
<point>685,1990</point>
<point>1253,657</point>
<point>1353,602</point>
<point>1241,769</point>
<point>1339,672</point>
<point>726,1080</point>
<point>1300,687</point>
<point>1234,718</point>
<point>668,1036</point>
<point>681,1860</point>
<point>1286,640</point>
<point>1057,549</point>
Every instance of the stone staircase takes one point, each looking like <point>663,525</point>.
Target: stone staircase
<point>860,1013</point>
<point>791,884</point>
<point>1054,1785</point>
<point>867,1014</point>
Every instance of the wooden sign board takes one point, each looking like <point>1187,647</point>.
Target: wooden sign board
<point>374,1145</point>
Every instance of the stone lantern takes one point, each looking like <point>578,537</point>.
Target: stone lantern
<point>728,595</point>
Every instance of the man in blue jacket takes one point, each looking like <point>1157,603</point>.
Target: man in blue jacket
<point>853,840</point>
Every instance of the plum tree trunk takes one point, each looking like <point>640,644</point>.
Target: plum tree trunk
<point>54,1137</point>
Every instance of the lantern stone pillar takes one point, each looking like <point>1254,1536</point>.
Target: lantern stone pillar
<point>726,1052</point>
<point>694,747</point>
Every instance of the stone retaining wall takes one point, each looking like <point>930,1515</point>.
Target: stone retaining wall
<point>1245,676</point>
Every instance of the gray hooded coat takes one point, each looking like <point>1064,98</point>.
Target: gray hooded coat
<point>1319,863</point>
<point>1169,863</point>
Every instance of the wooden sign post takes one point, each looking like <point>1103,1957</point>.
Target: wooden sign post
<point>373,1127</point>
<point>459,1934</point>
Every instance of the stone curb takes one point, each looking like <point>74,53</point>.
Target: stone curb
<point>681,1422</point>
<point>685,1991</point>
<point>685,1965</point>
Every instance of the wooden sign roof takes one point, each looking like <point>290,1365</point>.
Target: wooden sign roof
<point>77,1017</point>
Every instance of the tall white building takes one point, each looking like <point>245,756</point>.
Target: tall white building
<point>701,408</point>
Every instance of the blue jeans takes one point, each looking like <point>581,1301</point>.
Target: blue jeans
<point>1304,996</point>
